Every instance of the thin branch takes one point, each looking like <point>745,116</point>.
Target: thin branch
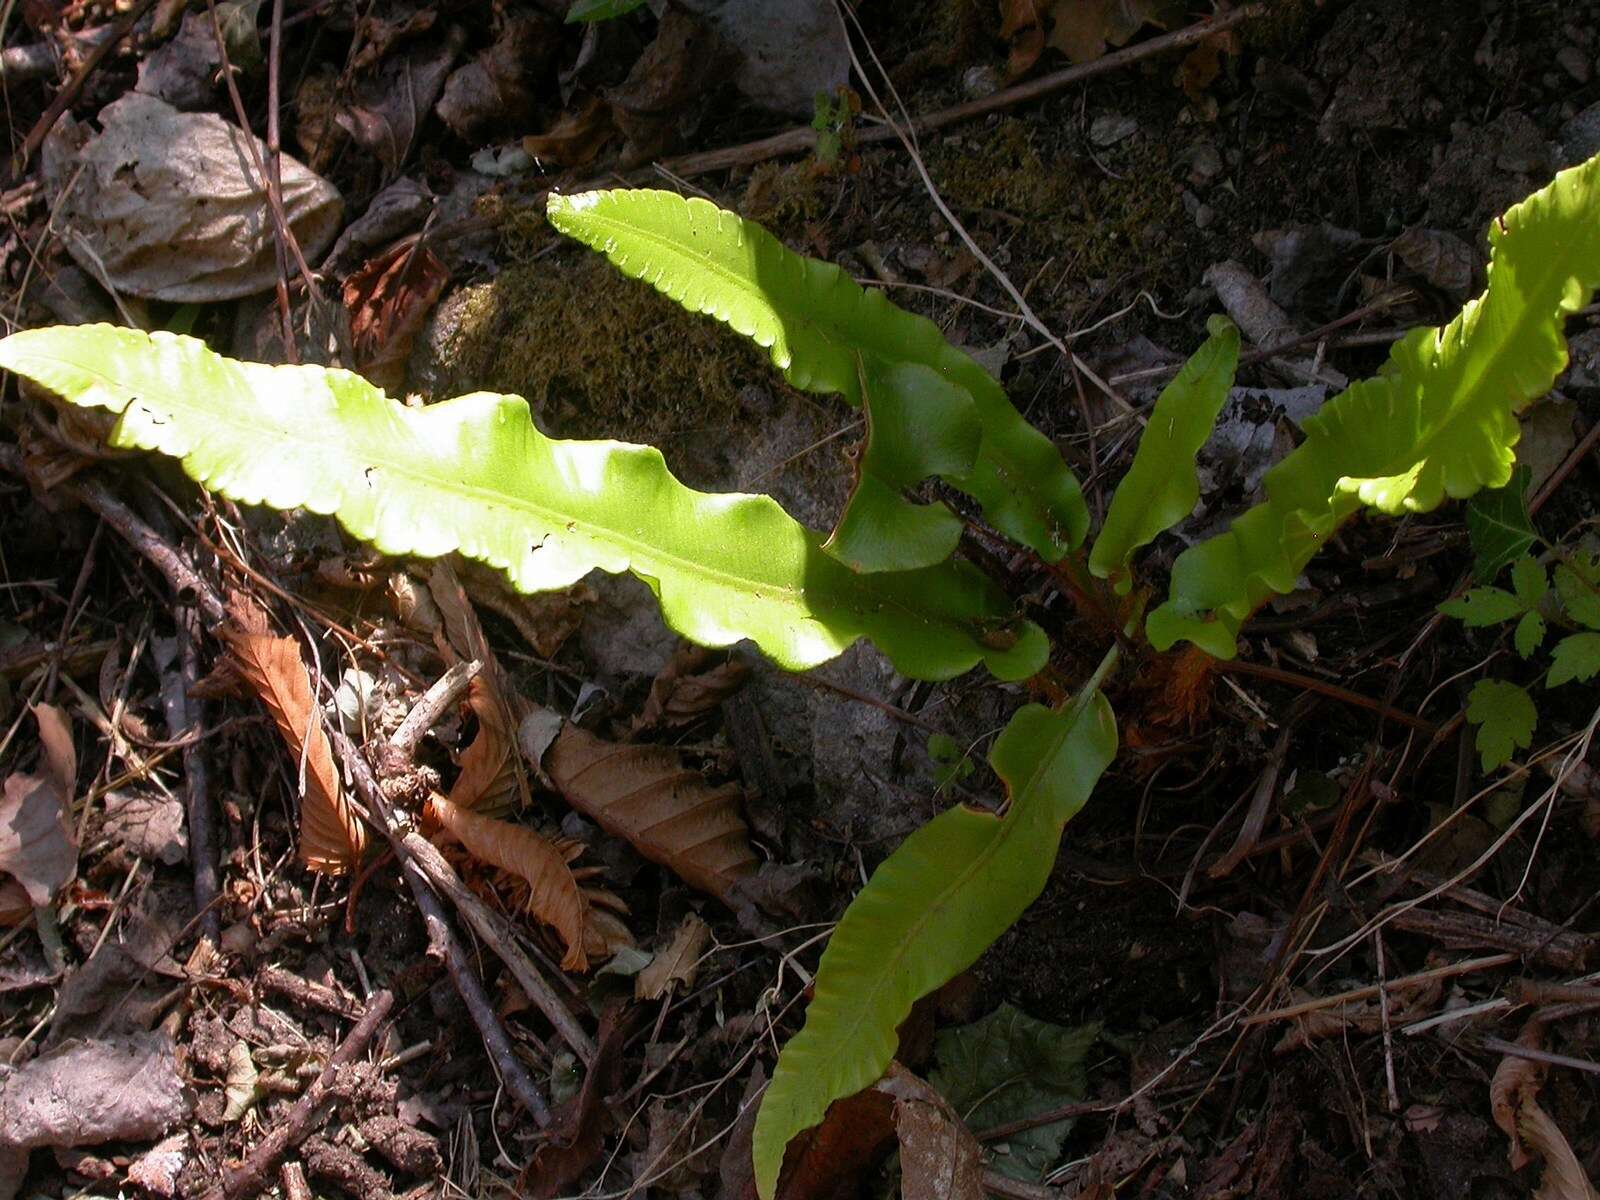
<point>253,1175</point>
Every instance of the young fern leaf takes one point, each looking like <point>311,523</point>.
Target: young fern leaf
<point>473,475</point>
<point>818,324</point>
<point>1440,420</point>
<point>1162,486</point>
<point>928,912</point>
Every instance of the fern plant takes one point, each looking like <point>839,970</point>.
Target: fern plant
<point>1502,535</point>
<point>473,475</point>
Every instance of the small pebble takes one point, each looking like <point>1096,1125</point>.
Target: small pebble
<point>1574,62</point>
<point>1111,128</point>
<point>980,81</point>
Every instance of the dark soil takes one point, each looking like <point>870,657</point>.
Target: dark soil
<point>1356,116</point>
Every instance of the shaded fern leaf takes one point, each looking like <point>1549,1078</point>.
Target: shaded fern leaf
<point>1439,420</point>
<point>927,913</point>
<point>821,328</point>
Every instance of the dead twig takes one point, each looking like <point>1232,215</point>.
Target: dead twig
<point>68,95</point>
<point>186,717</point>
<point>443,942</point>
<point>435,702</point>
<point>254,1174</point>
<point>803,140</point>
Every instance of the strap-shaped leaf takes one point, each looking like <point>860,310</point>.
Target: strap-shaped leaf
<point>1440,420</point>
<point>928,912</point>
<point>473,475</point>
<point>1162,486</point>
<point>918,424</point>
<point>816,321</point>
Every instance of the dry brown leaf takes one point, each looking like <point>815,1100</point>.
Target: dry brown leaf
<point>688,688</point>
<point>492,778</point>
<point>1564,1176</point>
<point>1201,66</point>
<point>683,65</point>
<point>332,837</point>
<point>1515,1085</point>
<point>1022,25</point>
<point>578,1134</point>
<point>554,895</point>
<point>828,1159</point>
<point>388,301</point>
<point>1081,29</point>
<point>166,204</point>
<point>575,138</point>
<point>492,91</point>
<point>37,850</point>
<point>668,812</point>
<point>939,1157</point>
<point>679,963</point>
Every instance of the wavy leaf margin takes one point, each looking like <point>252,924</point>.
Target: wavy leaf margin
<point>1439,421</point>
<point>474,475</point>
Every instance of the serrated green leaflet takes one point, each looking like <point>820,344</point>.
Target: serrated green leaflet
<point>817,324</point>
<point>473,475</point>
<point>1499,526</point>
<point>1440,420</point>
<point>928,911</point>
<point>1161,487</point>
<point>1576,657</point>
<point>1505,716</point>
<point>1578,585</point>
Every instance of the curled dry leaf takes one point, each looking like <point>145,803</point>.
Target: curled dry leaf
<point>493,89</point>
<point>331,836</point>
<point>939,1157</point>
<point>388,301</point>
<point>1515,1086</point>
<point>679,963</point>
<point>689,687</point>
<point>668,812</point>
<point>1080,29</point>
<point>554,895</point>
<point>36,847</point>
<point>387,108</point>
<point>492,779</point>
<point>167,205</point>
<point>1564,1176</point>
<point>576,137</point>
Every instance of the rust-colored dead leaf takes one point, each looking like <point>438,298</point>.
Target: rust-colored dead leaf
<point>578,1133</point>
<point>1564,1176</point>
<point>492,778</point>
<point>1082,29</point>
<point>37,851</point>
<point>332,838</point>
<point>688,687</point>
<point>678,964</point>
<point>1200,67</point>
<point>554,895</point>
<point>576,137</point>
<point>828,1159</point>
<point>388,301</point>
<point>668,812</point>
<point>1022,25</point>
<point>1513,1088</point>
